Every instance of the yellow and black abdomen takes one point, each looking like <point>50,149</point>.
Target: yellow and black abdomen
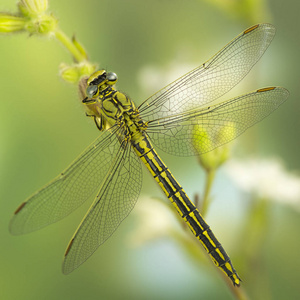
<point>186,209</point>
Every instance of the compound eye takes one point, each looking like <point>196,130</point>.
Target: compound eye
<point>91,91</point>
<point>112,78</point>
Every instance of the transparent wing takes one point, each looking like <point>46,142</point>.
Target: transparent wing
<point>69,189</point>
<point>200,131</point>
<point>214,78</point>
<point>114,202</point>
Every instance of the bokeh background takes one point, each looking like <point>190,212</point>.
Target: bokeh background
<point>148,44</point>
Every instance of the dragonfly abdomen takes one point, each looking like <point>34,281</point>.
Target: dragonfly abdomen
<point>186,209</point>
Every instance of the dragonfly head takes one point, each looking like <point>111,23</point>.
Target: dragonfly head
<point>98,82</point>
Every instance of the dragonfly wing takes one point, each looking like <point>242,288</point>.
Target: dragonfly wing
<point>214,78</point>
<point>69,189</point>
<point>200,131</point>
<point>112,205</point>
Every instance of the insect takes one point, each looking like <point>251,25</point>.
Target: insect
<point>173,119</point>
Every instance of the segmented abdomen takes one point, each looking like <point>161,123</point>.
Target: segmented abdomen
<point>186,209</point>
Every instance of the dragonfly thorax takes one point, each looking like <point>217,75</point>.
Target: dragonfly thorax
<point>109,106</point>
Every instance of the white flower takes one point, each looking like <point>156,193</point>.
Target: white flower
<point>156,221</point>
<point>153,78</point>
<point>267,179</point>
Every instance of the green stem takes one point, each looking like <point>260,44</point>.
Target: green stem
<point>238,292</point>
<point>210,175</point>
<point>61,36</point>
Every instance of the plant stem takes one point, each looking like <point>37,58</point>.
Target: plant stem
<point>62,37</point>
<point>238,293</point>
<point>210,175</point>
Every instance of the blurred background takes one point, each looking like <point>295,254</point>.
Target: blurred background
<point>256,194</point>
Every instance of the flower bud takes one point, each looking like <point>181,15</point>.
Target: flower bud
<point>10,23</point>
<point>69,73</point>
<point>32,7</point>
<point>43,25</point>
<point>73,73</point>
<point>208,140</point>
<point>86,68</point>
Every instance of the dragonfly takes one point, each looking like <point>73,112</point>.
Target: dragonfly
<point>174,119</point>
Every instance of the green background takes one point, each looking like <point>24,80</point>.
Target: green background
<point>43,128</point>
